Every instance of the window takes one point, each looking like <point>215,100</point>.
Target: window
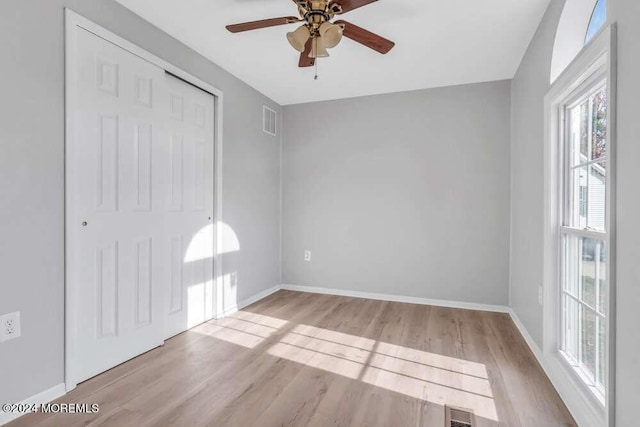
<point>579,228</point>
<point>584,235</point>
<point>598,18</point>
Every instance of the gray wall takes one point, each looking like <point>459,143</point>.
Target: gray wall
<point>404,194</point>
<point>528,89</point>
<point>627,14</point>
<point>31,173</point>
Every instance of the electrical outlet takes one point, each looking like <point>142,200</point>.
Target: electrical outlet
<point>307,256</point>
<point>9,326</point>
<point>540,294</point>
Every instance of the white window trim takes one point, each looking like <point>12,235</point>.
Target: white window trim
<point>596,61</point>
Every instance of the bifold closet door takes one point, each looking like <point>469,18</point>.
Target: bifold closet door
<point>140,205</point>
<point>189,207</point>
<point>116,203</point>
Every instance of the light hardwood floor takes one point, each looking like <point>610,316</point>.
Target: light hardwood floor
<point>297,359</point>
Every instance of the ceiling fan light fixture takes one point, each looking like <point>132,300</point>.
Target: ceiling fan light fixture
<point>318,33</point>
<point>318,49</point>
<point>298,38</point>
<point>331,34</point>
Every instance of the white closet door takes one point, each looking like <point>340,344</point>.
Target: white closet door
<point>189,206</point>
<point>116,202</point>
<point>140,205</point>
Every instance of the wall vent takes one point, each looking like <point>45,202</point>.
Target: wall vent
<point>269,120</point>
<point>458,417</point>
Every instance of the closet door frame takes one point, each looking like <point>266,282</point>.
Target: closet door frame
<point>74,23</point>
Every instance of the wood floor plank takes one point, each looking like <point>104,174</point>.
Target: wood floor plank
<point>297,359</point>
<point>299,401</point>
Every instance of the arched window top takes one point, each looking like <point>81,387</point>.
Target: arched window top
<point>598,18</point>
<point>580,21</point>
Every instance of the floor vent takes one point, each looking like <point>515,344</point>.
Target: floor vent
<point>458,417</point>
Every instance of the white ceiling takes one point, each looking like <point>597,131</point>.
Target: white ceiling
<point>438,43</point>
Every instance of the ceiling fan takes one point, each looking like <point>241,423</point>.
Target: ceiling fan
<point>318,33</point>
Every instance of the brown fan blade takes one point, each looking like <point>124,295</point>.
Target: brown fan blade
<point>349,5</point>
<point>305,61</point>
<point>264,23</point>
<point>366,38</point>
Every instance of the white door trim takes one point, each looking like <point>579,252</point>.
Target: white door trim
<point>74,22</point>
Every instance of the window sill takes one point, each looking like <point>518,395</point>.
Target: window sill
<point>586,408</point>
<point>597,394</point>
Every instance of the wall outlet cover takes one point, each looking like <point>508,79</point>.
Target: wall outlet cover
<point>9,326</point>
<point>307,256</point>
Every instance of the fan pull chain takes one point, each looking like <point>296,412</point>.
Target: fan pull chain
<point>315,62</point>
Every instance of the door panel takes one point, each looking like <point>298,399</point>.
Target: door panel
<point>115,215</point>
<point>189,206</point>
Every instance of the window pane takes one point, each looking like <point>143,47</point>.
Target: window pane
<point>599,266</point>
<point>584,132</point>
<point>587,125</point>
<point>579,133</point>
<point>588,340</point>
<point>599,124</point>
<point>584,268</point>
<point>598,18</point>
<point>570,266</point>
<point>591,269</point>
<point>571,328</point>
<point>579,197</point>
<point>596,196</point>
<point>601,378</point>
<point>603,289</point>
<point>587,194</point>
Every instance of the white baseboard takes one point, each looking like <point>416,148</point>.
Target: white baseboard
<point>248,301</point>
<point>397,298</point>
<point>46,396</point>
<point>368,295</point>
<point>537,352</point>
<point>584,409</point>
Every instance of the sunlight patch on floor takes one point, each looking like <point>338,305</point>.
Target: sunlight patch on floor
<point>431,392</point>
<point>434,360</point>
<point>418,374</point>
<point>311,358</point>
<point>268,321</point>
<point>422,357</point>
<point>422,375</point>
<point>333,336</point>
<point>244,328</point>
<point>431,374</point>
